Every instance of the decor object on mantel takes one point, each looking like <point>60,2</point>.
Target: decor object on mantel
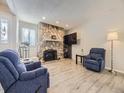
<point>112,36</point>
<point>51,37</point>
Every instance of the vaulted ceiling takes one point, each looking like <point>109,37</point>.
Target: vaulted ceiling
<point>71,12</point>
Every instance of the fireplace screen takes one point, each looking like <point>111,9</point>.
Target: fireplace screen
<point>50,55</point>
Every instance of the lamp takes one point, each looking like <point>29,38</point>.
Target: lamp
<point>112,36</point>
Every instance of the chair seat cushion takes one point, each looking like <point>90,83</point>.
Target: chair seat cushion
<point>33,74</point>
<point>89,61</point>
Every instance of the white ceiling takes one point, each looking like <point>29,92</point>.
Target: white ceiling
<point>71,12</point>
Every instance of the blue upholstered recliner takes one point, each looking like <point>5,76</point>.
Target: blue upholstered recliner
<point>95,60</point>
<point>16,77</point>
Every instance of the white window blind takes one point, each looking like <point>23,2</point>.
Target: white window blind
<point>28,36</point>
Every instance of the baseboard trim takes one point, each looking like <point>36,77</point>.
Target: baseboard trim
<point>122,72</point>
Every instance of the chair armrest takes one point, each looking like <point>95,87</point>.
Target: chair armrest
<point>85,57</point>
<point>101,62</point>
<point>28,75</point>
<point>99,59</point>
<point>32,66</point>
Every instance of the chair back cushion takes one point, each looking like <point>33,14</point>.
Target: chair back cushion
<point>94,56</point>
<point>95,52</point>
<point>15,59</point>
<point>8,73</point>
<point>11,55</point>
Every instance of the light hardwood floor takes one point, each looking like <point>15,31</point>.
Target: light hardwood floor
<point>67,77</point>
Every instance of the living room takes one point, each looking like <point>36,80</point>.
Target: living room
<point>67,46</point>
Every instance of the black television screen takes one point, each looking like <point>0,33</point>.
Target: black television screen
<point>70,39</point>
<point>73,38</point>
<point>66,38</point>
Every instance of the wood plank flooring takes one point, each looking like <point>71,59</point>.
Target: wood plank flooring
<point>67,77</point>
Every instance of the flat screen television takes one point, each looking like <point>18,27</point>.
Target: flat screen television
<point>73,38</point>
<point>66,38</point>
<point>70,39</point>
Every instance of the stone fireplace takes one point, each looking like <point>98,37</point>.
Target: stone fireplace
<point>51,38</point>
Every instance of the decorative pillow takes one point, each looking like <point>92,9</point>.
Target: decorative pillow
<point>94,56</point>
<point>21,68</point>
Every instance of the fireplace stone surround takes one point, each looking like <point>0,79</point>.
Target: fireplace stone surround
<point>51,38</point>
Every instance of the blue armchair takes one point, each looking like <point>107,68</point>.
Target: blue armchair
<point>16,77</point>
<point>95,60</point>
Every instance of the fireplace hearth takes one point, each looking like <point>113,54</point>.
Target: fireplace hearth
<point>49,55</point>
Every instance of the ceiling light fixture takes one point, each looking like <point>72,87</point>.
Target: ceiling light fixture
<point>43,17</point>
<point>67,25</point>
<point>57,22</point>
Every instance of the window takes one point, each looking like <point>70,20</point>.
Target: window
<point>28,36</point>
<point>3,30</point>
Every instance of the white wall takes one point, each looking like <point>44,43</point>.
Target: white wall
<point>5,13</point>
<point>94,33</point>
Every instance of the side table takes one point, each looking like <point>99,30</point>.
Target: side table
<point>81,58</point>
